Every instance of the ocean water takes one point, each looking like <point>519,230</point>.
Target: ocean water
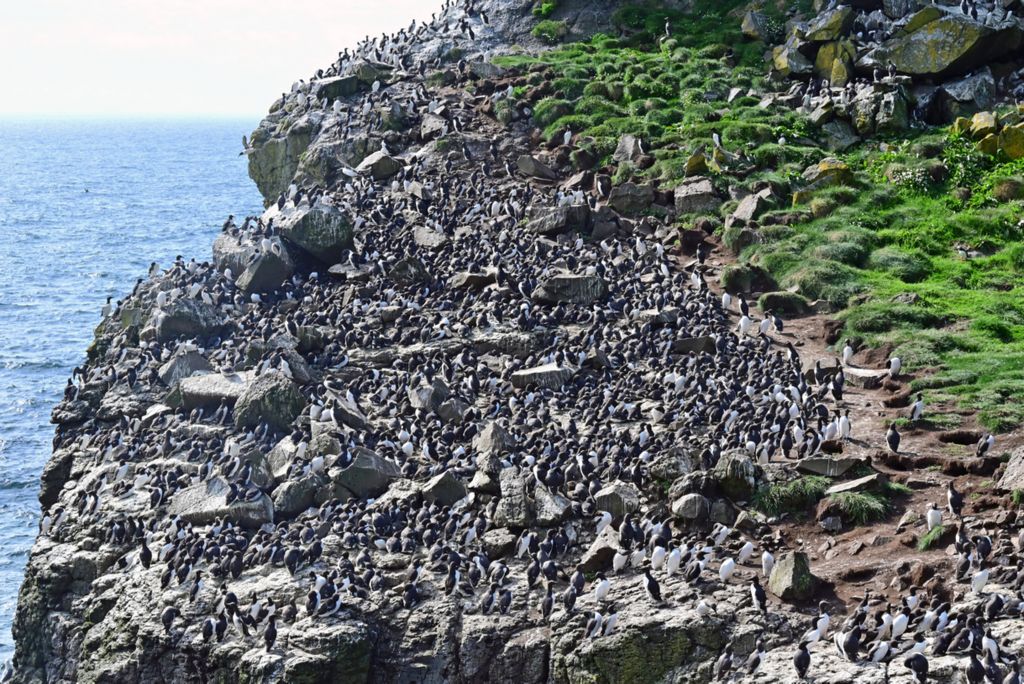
<point>85,206</point>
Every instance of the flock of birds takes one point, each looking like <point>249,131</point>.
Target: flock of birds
<point>631,398</point>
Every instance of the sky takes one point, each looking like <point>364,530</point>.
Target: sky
<point>176,58</point>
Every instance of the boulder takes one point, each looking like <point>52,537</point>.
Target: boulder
<point>551,508</point>
<point>939,42</point>
<point>618,498</point>
<point>379,165</point>
<point>323,231</point>
<point>1011,141</point>
<point>750,207</point>
<point>432,126</point>
<point>514,507</point>
<point>789,61</point>
<point>547,376</point>
<point>452,411</point>
<point>474,280</point>
<point>350,414</point>
<point>697,195</point>
<point>265,273</point>
<point>737,474</point>
<point>828,172</point>
<point>628,149</point>
<point>498,542</point>
<point>183,365</point>
<point>631,199</point>
<point>204,502</point>
<point>601,552</point>
<point>831,25</point>
<point>334,87</point>
<point>294,496</point>
<point>186,318</point>
<point>368,71</point>
<point>562,219</point>
<point>838,136</point>
<point>692,507</point>
<point>791,579</point>
<point>272,399</point>
<point>210,390</point>
<point>368,474</point>
<point>493,439</point>
<point>428,397</point>
<point>1013,474</point>
<point>569,288</point>
<point>444,489</point>
<point>756,25</point>
<point>533,167</point>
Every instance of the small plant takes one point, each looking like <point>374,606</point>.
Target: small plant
<point>1017,497</point>
<point>550,31</point>
<point>931,538</point>
<point>545,9</point>
<point>860,508</point>
<point>791,497</point>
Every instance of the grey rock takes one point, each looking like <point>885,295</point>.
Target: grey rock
<point>265,274</point>
<point>367,476</point>
<point>791,578</point>
<point>294,496</point>
<point>551,507</point>
<point>379,165</point>
<point>210,390</point>
<point>445,489</point>
<point>563,219</point>
<point>183,365</point>
<point>628,149</point>
<point>697,195</point>
<point>202,503</point>
<point>493,439</point>
<point>631,199</point>
<point>186,318</point>
<point>514,507</point>
<point>601,552</point>
<point>549,376</point>
<point>1013,473</point>
<point>738,475</point>
<point>272,399</point>
<point>569,288</point>
<point>694,345</point>
<point>618,498</point>
<point>692,507</point>
<point>531,166</point>
<point>498,542</point>
<point>861,484</point>
<point>322,231</point>
<point>335,87</point>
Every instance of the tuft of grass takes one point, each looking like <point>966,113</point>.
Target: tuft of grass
<point>931,538</point>
<point>1017,497</point>
<point>791,497</point>
<point>550,31</point>
<point>861,508</point>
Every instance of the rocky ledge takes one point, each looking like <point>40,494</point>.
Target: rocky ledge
<point>447,412</point>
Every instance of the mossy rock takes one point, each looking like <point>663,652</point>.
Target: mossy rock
<point>785,303</point>
<point>1008,189</point>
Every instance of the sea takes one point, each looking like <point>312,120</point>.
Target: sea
<point>85,207</point>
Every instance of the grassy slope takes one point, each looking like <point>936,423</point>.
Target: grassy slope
<point>892,233</point>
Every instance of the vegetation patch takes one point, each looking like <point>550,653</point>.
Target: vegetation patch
<point>796,496</point>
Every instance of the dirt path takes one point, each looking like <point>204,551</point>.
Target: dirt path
<point>880,557</point>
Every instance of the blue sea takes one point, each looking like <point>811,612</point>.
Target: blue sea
<point>85,206</point>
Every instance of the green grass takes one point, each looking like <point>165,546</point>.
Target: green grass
<point>881,249</point>
<point>931,538</point>
<point>791,497</point>
<point>1017,497</point>
<point>861,508</point>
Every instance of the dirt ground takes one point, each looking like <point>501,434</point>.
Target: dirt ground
<point>880,557</point>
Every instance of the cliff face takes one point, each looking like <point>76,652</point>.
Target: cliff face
<point>401,427</point>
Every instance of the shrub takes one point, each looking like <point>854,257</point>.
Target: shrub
<point>545,9</point>
<point>550,31</point>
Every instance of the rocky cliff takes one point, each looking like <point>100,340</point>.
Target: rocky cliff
<point>467,402</point>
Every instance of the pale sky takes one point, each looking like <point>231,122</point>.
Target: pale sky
<point>176,58</point>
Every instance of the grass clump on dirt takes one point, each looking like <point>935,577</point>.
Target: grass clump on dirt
<point>791,497</point>
<point>931,538</point>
